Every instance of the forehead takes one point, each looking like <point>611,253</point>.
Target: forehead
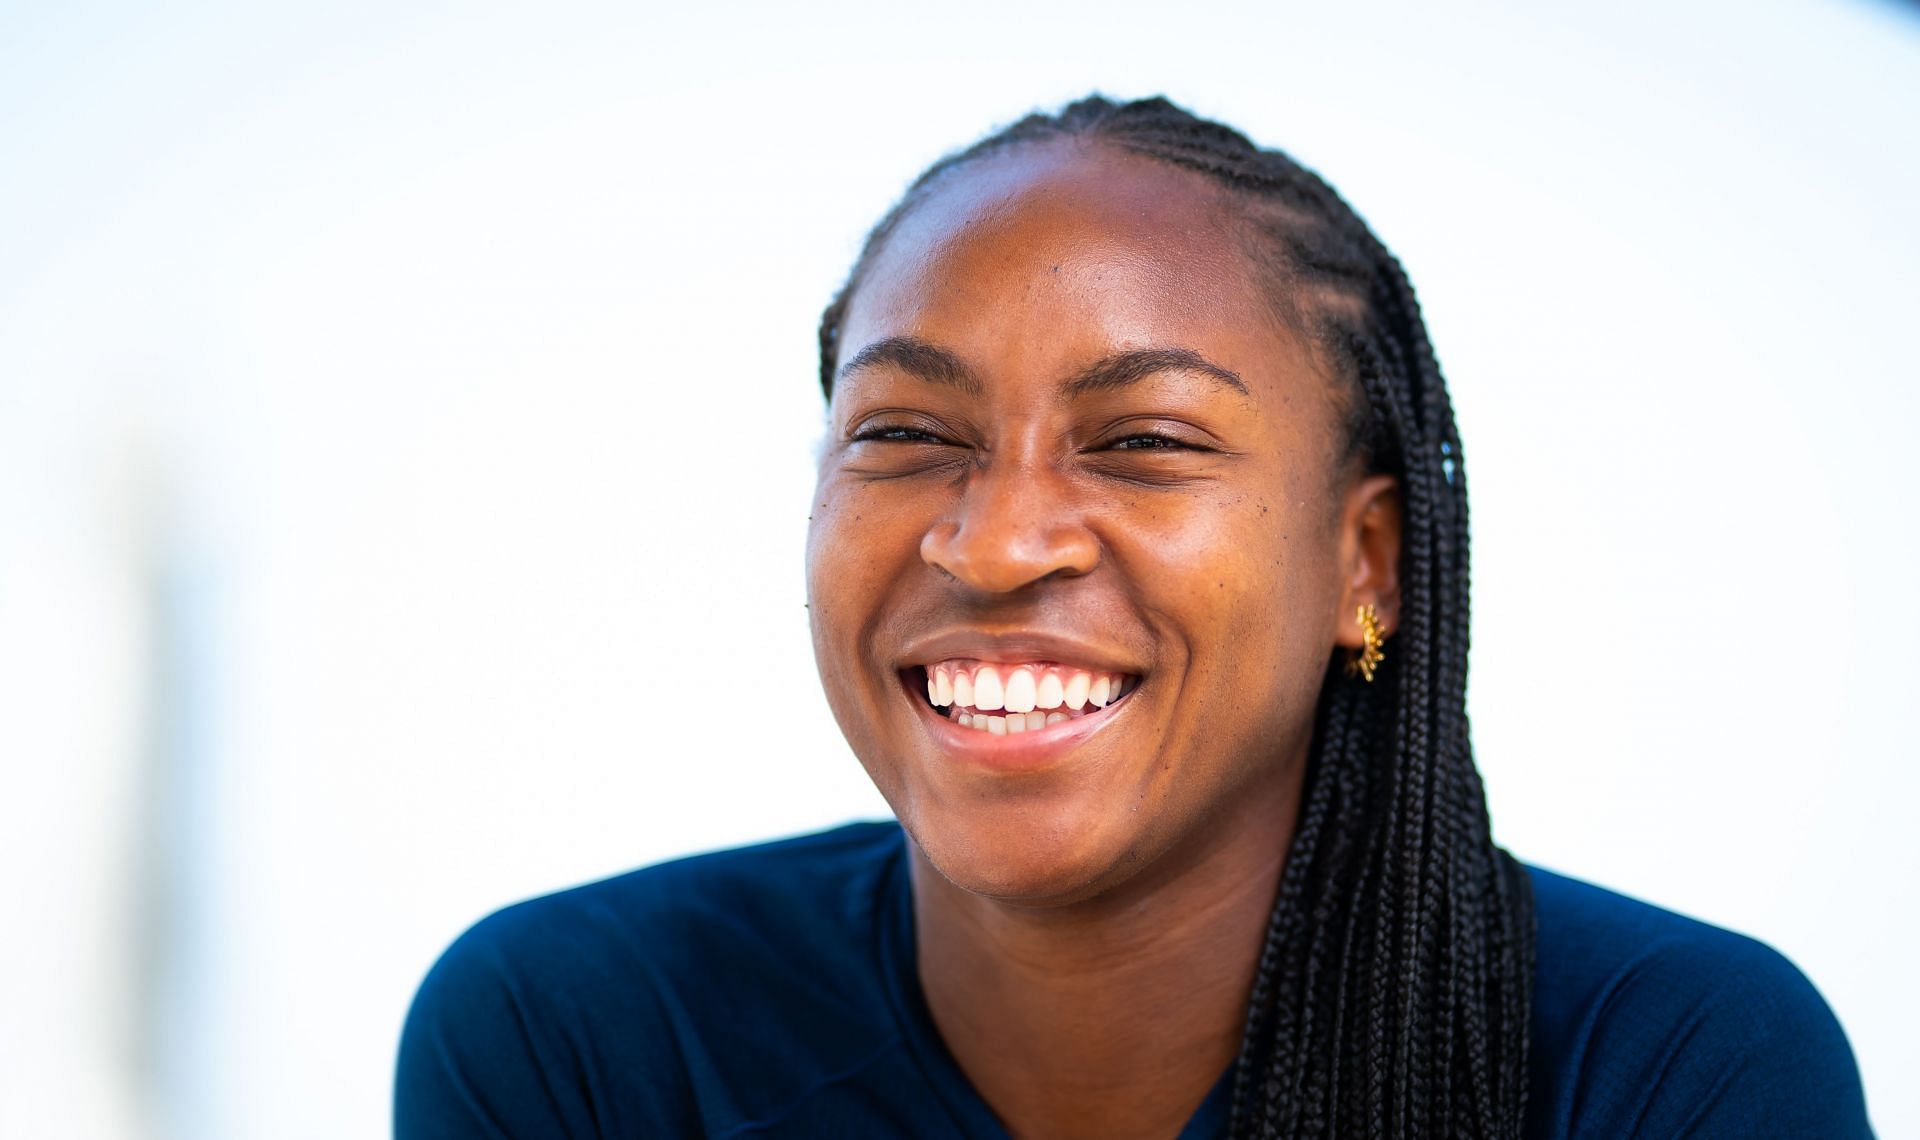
<point>1056,252</point>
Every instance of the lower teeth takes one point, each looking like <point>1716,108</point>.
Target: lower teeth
<point>1000,725</point>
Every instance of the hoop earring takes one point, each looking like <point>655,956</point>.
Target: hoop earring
<point>1368,657</point>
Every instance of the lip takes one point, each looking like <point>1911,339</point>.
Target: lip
<point>1014,647</point>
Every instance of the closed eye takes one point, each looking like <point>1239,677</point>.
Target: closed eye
<point>1156,452</point>
<point>897,446</point>
<point>896,435</point>
<point>1149,441</point>
<point>1165,440</point>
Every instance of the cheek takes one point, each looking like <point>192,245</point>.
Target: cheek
<point>1226,556</point>
<point>1249,585</point>
<point>836,577</point>
<point>856,551</point>
<point>860,548</point>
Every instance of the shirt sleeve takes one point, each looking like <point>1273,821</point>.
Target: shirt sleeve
<point>1719,1036</point>
<point>472,1063</point>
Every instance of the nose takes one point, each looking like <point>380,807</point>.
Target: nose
<point>1011,529</point>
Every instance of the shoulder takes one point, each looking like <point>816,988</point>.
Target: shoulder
<point>623,998</point>
<point>692,916</point>
<point>783,890</point>
<point>1649,1023</point>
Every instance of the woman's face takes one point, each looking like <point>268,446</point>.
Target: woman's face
<point>1081,479</point>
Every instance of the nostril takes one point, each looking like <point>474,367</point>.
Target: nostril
<point>1000,559</point>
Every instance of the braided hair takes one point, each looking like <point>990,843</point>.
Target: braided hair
<point>1392,992</point>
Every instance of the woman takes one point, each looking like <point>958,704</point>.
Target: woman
<point>1138,579</point>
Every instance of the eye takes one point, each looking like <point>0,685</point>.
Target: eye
<point>1155,451</point>
<point>894,445</point>
<point>895,434</point>
<point>1164,437</point>
<point>1151,441</point>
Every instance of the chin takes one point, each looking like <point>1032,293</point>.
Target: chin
<point>1019,853</point>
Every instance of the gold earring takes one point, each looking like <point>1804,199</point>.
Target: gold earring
<point>1368,657</point>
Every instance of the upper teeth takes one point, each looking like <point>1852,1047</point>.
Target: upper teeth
<point>986,687</point>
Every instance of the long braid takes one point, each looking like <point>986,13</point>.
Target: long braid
<point>1392,992</point>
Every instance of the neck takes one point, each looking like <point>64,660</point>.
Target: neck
<point>1115,1016</point>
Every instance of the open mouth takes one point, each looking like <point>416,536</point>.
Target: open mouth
<point>1002,698</point>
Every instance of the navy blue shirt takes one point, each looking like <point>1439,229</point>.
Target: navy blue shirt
<point>770,992</point>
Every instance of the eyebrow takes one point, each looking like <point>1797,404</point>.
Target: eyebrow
<point>915,357</point>
<point>1130,367</point>
<point>937,365</point>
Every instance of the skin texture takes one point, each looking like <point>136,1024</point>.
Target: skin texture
<point>1088,926</point>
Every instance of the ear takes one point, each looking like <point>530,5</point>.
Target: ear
<point>1369,548</point>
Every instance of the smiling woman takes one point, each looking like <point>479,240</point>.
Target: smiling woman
<point>1138,579</point>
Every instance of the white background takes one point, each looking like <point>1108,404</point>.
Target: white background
<point>406,417</point>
